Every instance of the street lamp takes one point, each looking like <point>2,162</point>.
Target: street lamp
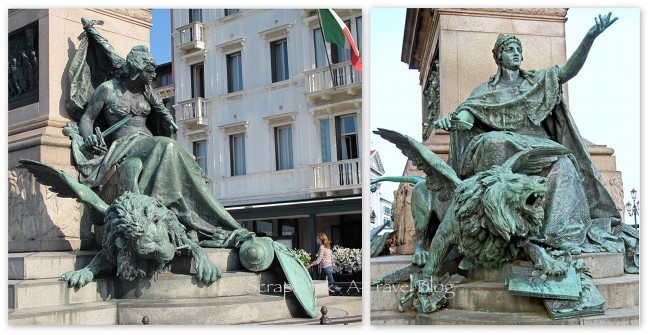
<point>633,208</point>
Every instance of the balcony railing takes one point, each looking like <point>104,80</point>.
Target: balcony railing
<point>192,112</point>
<point>336,176</point>
<point>342,74</point>
<point>191,37</point>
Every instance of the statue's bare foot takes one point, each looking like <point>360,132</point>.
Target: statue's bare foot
<point>78,278</point>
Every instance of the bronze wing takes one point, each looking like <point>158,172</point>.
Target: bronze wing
<point>61,183</point>
<point>441,178</point>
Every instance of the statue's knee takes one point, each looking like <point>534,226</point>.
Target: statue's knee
<point>131,164</point>
<point>493,141</point>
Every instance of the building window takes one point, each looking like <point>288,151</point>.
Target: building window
<point>283,148</point>
<point>235,82</point>
<point>340,55</point>
<point>388,210</point>
<point>279,61</point>
<point>165,79</point>
<point>237,155</point>
<point>320,53</point>
<point>200,151</point>
<point>288,232</point>
<point>346,131</point>
<point>196,15</point>
<point>198,90</point>
<point>230,11</point>
<point>359,24</point>
<point>326,148</point>
<point>264,228</point>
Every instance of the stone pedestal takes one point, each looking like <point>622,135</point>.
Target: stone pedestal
<point>38,220</point>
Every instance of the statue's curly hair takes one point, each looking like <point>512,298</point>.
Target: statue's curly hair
<point>137,60</point>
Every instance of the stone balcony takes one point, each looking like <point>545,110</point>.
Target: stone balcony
<point>336,178</point>
<point>191,41</point>
<point>192,114</point>
<point>324,85</point>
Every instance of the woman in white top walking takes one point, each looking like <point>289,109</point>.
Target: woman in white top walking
<point>325,261</point>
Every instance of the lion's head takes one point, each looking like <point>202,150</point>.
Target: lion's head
<point>495,205</point>
<point>141,235</point>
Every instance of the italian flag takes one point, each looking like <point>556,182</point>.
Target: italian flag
<point>337,32</point>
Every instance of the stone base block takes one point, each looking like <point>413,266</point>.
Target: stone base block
<point>628,316</point>
<point>382,265</point>
<point>619,292</point>
<point>42,265</point>
<point>25,294</point>
<point>209,311</point>
<point>173,286</point>
<point>95,314</point>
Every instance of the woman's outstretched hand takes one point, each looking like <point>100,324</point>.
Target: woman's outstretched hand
<point>602,23</point>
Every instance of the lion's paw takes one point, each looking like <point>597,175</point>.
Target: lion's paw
<point>553,268</point>
<point>78,278</point>
<point>420,257</point>
<point>207,272</point>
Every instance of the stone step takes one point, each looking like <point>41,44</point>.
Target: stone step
<point>42,265</point>
<point>85,314</point>
<point>224,258</point>
<point>53,292</point>
<point>619,292</point>
<point>172,286</point>
<point>382,265</point>
<point>207,311</point>
<point>331,313</point>
<point>353,306</point>
<point>193,311</point>
<point>626,316</point>
<point>337,307</point>
<point>601,265</point>
<point>26,294</point>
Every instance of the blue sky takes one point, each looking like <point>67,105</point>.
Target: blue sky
<point>161,36</point>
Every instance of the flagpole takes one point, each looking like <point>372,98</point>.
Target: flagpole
<point>329,64</point>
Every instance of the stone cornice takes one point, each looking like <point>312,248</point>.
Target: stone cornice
<point>141,17</point>
<point>235,128</point>
<point>277,32</point>
<point>281,120</point>
<point>540,14</point>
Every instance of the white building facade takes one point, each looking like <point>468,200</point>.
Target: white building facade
<point>275,130</point>
<point>381,209</point>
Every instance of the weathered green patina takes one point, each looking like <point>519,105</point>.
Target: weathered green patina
<point>158,194</point>
<point>520,180</point>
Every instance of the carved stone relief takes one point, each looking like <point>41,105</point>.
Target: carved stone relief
<point>36,214</point>
<point>23,66</point>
